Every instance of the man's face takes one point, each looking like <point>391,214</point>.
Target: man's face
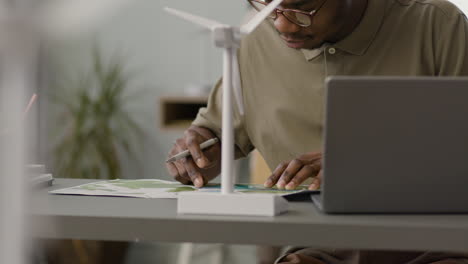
<point>325,23</point>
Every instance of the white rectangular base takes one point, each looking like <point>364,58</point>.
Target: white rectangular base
<point>231,204</point>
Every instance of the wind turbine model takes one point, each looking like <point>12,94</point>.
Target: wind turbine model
<point>228,38</point>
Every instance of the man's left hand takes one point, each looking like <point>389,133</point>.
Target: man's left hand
<point>288,175</point>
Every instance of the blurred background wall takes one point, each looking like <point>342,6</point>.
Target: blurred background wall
<point>462,4</point>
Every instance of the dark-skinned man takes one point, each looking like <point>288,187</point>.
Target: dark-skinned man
<point>283,66</point>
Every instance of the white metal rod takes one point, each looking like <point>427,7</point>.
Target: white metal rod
<point>227,141</point>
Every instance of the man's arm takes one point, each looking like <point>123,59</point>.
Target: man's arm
<point>451,49</point>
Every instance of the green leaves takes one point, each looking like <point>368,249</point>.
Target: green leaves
<point>96,130</point>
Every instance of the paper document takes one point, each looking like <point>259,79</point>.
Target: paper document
<point>153,188</point>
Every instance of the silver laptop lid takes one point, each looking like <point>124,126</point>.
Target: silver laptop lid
<point>396,145</point>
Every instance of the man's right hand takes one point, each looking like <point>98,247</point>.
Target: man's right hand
<point>201,166</point>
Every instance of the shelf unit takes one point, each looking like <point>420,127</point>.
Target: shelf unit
<point>177,112</point>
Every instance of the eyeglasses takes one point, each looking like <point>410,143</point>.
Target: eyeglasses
<point>298,17</point>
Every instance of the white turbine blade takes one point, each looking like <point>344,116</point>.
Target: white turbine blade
<point>258,18</point>
<point>204,22</point>
<point>236,82</point>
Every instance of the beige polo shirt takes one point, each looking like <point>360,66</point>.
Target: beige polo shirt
<point>283,88</point>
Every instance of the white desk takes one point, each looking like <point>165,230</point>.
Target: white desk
<point>132,219</point>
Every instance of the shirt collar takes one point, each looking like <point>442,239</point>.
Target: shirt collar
<point>361,38</point>
<point>311,54</point>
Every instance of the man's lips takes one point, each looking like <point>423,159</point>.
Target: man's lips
<point>294,40</point>
<point>296,43</point>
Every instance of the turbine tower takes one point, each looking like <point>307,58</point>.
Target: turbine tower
<point>228,38</point>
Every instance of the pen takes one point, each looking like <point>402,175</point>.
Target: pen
<point>186,153</point>
<point>30,104</point>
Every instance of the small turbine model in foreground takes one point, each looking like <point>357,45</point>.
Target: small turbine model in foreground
<point>23,26</point>
<point>228,38</point>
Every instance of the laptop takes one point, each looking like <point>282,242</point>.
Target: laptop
<point>395,145</point>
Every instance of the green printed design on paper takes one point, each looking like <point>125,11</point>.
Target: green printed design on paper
<point>182,189</point>
<point>95,187</point>
<point>145,184</point>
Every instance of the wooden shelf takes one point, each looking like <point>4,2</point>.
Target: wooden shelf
<point>177,112</point>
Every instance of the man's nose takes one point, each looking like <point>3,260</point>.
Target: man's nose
<point>283,25</point>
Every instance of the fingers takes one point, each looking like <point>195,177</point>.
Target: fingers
<point>172,169</point>
<point>184,170</point>
<point>193,172</point>
<point>213,153</point>
<point>192,142</point>
<point>303,174</point>
<point>176,169</point>
<point>316,182</point>
<point>291,174</point>
<point>181,175</point>
<point>273,179</point>
<point>291,171</point>
<point>174,172</point>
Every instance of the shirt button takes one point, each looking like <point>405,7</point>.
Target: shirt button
<point>332,51</point>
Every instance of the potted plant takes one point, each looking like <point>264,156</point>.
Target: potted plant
<point>97,130</point>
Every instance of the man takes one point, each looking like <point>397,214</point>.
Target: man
<point>283,65</point>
